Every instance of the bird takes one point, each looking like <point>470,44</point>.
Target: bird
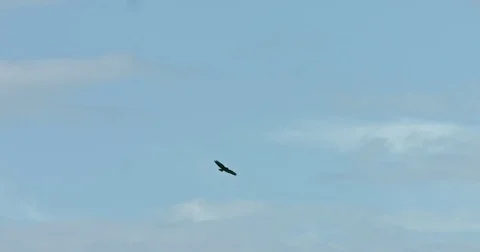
<point>223,168</point>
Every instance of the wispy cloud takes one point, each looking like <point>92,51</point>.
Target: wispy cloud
<point>434,222</point>
<point>26,84</point>
<point>418,149</point>
<point>457,102</point>
<point>398,137</point>
<point>13,3</point>
<point>285,228</point>
<point>199,210</point>
<point>15,206</point>
<point>45,73</point>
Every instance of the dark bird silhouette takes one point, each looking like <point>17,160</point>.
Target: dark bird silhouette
<point>223,168</point>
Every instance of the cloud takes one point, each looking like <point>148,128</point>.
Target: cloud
<point>15,206</point>
<point>279,228</point>
<point>45,73</point>
<point>399,137</point>
<point>12,3</point>
<point>456,101</point>
<point>199,211</point>
<point>430,222</point>
<point>26,84</point>
<point>413,149</point>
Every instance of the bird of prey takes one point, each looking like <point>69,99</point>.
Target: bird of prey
<point>223,168</point>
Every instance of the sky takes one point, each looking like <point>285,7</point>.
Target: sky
<point>351,124</point>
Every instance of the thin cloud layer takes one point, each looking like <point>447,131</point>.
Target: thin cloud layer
<point>456,102</point>
<point>430,222</point>
<point>199,210</point>
<point>285,228</point>
<point>416,149</point>
<point>50,72</point>
<point>14,3</point>
<point>399,137</point>
<point>15,206</point>
<point>25,84</point>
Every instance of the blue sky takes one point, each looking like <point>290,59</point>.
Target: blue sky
<point>114,113</point>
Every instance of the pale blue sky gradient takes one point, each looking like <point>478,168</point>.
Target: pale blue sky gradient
<point>217,78</point>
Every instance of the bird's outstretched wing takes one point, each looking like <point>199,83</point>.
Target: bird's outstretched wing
<point>231,172</point>
<point>220,164</point>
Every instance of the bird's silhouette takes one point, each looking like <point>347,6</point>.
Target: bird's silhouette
<point>223,168</point>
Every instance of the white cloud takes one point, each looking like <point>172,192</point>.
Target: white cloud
<point>12,3</point>
<point>414,149</point>
<point>199,211</point>
<point>276,228</point>
<point>50,72</point>
<point>27,84</point>
<point>399,137</point>
<point>13,205</point>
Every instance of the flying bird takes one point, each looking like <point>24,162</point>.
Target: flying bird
<point>223,168</point>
